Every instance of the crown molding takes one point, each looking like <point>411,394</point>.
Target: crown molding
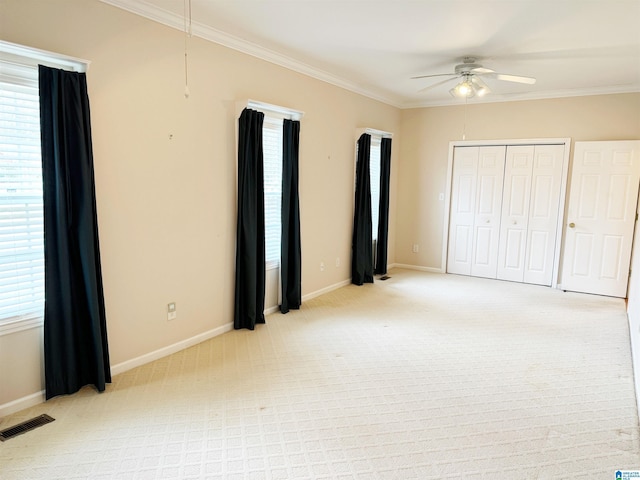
<point>170,19</point>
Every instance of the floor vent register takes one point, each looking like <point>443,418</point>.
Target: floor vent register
<point>24,427</point>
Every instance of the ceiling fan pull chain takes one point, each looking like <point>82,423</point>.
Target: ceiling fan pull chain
<point>187,34</point>
<point>464,123</point>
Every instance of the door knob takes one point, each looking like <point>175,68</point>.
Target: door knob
<point>572,225</point>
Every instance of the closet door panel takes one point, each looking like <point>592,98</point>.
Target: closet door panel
<point>486,234</point>
<point>545,207</point>
<point>510,266</point>
<point>483,250</point>
<point>462,213</point>
<point>515,212</point>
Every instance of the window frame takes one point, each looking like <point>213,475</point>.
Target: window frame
<point>273,112</point>
<point>19,66</point>
<point>376,137</point>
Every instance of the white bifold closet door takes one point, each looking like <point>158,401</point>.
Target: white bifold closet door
<point>530,207</point>
<point>505,203</point>
<point>478,174</point>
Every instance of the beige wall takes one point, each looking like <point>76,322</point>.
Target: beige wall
<point>424,151</point>
<point>165,172</point>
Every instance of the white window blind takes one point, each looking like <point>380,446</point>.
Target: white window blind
<point>272,149</point>
<point>374,175</point>
<point>21,230</point>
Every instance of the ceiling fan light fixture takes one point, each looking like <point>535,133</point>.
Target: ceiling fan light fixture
<point>482,91</point>
<point>464,89</point>
<point>479,86</point>
<point>469,87</point>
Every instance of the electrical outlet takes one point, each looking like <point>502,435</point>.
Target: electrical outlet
<point>415,248</point>
<point>171,311</point>
<point>322,266</point>
<point>337,261</point>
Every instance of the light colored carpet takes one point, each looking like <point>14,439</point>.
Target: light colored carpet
<point>423,376</point>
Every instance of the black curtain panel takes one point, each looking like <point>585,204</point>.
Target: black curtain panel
<point>383,217</point>
<point>361,245</point>
<point>290,263</point>
<point>250,249</point>
<point>75,331</point>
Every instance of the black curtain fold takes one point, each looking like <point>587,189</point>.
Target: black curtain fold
<point>383,216</point>
<point>75,333</point>
<point>250,243</point>
<point>290,264</point>
<point>361,245</point>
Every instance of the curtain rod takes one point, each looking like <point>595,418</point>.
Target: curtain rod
<point>373,131</point>
<point>284,111</point>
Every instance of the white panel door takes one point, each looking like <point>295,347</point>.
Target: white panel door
<point>544,210</point>
<point>488,210</point>
<point>462,210</point>
<point>515,212</point>
<point>601,217</point>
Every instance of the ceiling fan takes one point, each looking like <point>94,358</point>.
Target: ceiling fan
<point>471,83</point>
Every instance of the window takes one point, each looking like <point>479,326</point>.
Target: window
<point>374,175</point>
<point>272,157</point>
<point>272,150</point>
<point>21,231</point>
<point>21,215</point>
<point>375,162</point>
<point>375,178</point>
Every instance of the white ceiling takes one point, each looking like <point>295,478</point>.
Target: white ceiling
<point>572,47</point>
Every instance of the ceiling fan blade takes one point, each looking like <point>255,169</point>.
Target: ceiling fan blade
<point>436,75</point>
<point>482,70</point>
<point>514,78</point>
<point>435,85</point>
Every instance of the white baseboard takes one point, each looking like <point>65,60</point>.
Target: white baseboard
<point>328,289</point>
<point>170,349</point>
<point>417,267</point>
<point>22,403</point>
